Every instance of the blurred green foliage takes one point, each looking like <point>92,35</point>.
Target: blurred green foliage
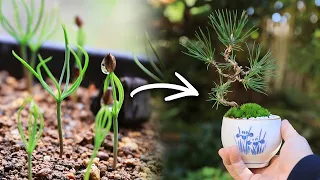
<point>208,173</point>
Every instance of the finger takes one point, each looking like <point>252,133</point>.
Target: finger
<point>221,152</point>
<point>238,165</point>
<point>274,158</point>
<point>224,154</point>
<point>287,131</point>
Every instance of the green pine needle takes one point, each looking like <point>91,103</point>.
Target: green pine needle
<point>230,28</point>
<point>259,69</point>
<point>202,48</point>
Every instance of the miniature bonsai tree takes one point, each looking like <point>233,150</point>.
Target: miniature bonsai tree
<point>111,104</point>
<point>40,26</point>
<point>34,129</point>
<point>230,31</point>
<point>61,91</point>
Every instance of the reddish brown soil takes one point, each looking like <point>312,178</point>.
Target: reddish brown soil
<point>139,152</point>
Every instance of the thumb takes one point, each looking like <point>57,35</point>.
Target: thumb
<point>287,131</point>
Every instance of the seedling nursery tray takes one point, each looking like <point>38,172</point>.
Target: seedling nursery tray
<point>138,153</point>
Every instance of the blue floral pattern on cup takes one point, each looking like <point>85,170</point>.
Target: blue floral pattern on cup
<point>248,143</point>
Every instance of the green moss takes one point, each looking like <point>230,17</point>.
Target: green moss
<point>247,111</point>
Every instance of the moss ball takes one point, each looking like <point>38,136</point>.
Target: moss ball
<point>248,110</point>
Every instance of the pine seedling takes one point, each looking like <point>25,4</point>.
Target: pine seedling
<point>60,92</point>
<point>103,124</point>
<point>229,28</point>
<point>159,76</point>
<point>40,26</point>
<point>35,129</point>
<point>108,66</point>
<point>111,104</point>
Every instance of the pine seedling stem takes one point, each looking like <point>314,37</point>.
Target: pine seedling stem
<point>60,128</point>
<point>27,74</point>
<point>30,166</point>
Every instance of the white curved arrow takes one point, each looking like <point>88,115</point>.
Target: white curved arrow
<point>189,90</point>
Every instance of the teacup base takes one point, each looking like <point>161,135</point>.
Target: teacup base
<point>256,165</point>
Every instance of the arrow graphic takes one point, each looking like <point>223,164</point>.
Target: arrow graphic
<point>189,90</point>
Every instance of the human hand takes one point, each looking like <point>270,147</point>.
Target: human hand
<point>293,150</point>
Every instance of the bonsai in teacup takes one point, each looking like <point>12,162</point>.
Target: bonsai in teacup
<point>251,127</point>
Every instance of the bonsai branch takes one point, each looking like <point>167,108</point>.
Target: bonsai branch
<point>225,102</point>
<point>238,71</point>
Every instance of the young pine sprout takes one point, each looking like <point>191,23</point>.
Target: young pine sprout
<point>103,123</point>
<point>60,92</point>
<point>40,26</point>
<point>230,31</point>
<point>35,129</point>
<point>108,66</point>
<point>111,104</point>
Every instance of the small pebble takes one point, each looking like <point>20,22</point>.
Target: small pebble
<point>117,176</point>
<point>70,175</point>
<point>96,161</point>
<point>131,145</point>
<point>46,158</point>
<point>103,156</point>
<point>83,155</point>
<point>95,173</point>
<point>130,162</point>
<point>43,172</point>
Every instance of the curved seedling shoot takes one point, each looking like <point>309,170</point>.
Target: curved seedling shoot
<point>40,26</point>
<point>61,92</point>
<point>30,140</point>
<point>102,127</point>
<point>118,96</point>
<point>230,31</point>
<point>111,104</point>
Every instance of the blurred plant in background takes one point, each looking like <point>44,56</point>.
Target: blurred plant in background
<point>290,29</point>
<point>40,26</point>
<point>157,74</point>
<point>208,173</point>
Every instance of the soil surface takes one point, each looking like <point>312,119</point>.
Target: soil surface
<point>139,152</point>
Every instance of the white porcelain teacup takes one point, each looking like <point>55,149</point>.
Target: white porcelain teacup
<point>258,139</point>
